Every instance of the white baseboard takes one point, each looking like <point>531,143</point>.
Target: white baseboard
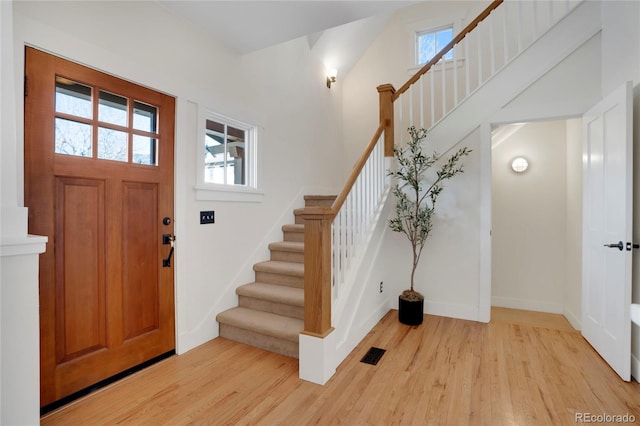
<point>528,305</point>
<point>635,368</point>
<point>452,310</point>
<point>573,319</point>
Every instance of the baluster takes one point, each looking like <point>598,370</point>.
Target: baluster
<point>505,38</point>
<point>466,64</point>
<point>411,105</point>
<point>422,101</point>
<point>534,20</point>
<point>444,88</point>
<point>433,99</point>
<point>519,27</point>
<point>455,75</point>
<point>479,52</point>
<point>492,50</point>
<point>402,128</point>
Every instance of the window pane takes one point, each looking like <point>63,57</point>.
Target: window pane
<point>442,39</point>
<point>144,150</point>
<point>112,109</point>
<point>145,117</point>
<point>112,144</point>
<point>426,48</point>
<point>72,138</point>
<point>235,156</point>
<point>73,98</point>
<point>214,157</point>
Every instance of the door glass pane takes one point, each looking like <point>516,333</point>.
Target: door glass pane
<point>112,109</point>
<point>73,98</point>
<point>112,144</point>
<point>145,117</point>
<point>72,138</point>
<point>144,150</point>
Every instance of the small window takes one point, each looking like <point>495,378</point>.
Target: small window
<point>430,42</point>
<point>225,154</point>
<point>229,158</point>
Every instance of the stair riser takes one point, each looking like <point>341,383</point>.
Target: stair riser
<point>268,343</point>
<point>287,256</point>
<point>297,237</point>
<point>273,307</point>
<point>299,219</point>
<point>319,200</point>
<point>279,279</point>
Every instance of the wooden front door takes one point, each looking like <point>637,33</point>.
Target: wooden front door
<point>99,184</point>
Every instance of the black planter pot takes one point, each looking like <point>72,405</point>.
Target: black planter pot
<point>410,312</point>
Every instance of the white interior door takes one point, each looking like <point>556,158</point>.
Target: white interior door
<point>607,229</point>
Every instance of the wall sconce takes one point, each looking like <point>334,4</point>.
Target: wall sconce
<point>331,76</point>
<point>519,164</point>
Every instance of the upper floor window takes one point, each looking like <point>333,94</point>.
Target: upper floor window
<point>228,162</point>
<point>430,42</point>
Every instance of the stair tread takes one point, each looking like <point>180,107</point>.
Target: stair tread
<point>299,227</point>
<point>280,267</point>
<point>266,323</point>
<point>291,246</point>
<point>320,197</point>
<point>273,293</point>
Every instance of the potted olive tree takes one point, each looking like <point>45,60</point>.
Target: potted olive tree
<point>416,197</point>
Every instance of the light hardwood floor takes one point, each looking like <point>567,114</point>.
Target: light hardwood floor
<point>523,368</point>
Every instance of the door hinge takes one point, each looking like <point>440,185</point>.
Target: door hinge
<point>26,92</point>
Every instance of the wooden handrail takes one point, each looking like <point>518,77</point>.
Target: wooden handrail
<point>447,48</point>
<point>340,199</point>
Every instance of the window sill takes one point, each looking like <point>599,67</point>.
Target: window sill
<point>223,193</point>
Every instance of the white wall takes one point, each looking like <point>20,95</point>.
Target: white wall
<point>448,273</point>
<point>529,219</point>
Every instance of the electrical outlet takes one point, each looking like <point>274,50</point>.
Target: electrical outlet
<point>207,217</point>
<point>381,290</point>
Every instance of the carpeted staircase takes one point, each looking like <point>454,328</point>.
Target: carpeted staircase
<point>270,310</point>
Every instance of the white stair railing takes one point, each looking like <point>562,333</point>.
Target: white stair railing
<point>356,212</point>
<point>481,52</point>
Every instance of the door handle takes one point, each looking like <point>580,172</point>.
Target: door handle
<point>631,245</point>
<point>619,245</point>
<point>168,239</point>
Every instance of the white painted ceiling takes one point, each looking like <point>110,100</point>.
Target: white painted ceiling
<point>247,26</point>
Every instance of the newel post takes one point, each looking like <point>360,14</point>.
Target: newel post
<point>317,271</point>
<point>386,92</point>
